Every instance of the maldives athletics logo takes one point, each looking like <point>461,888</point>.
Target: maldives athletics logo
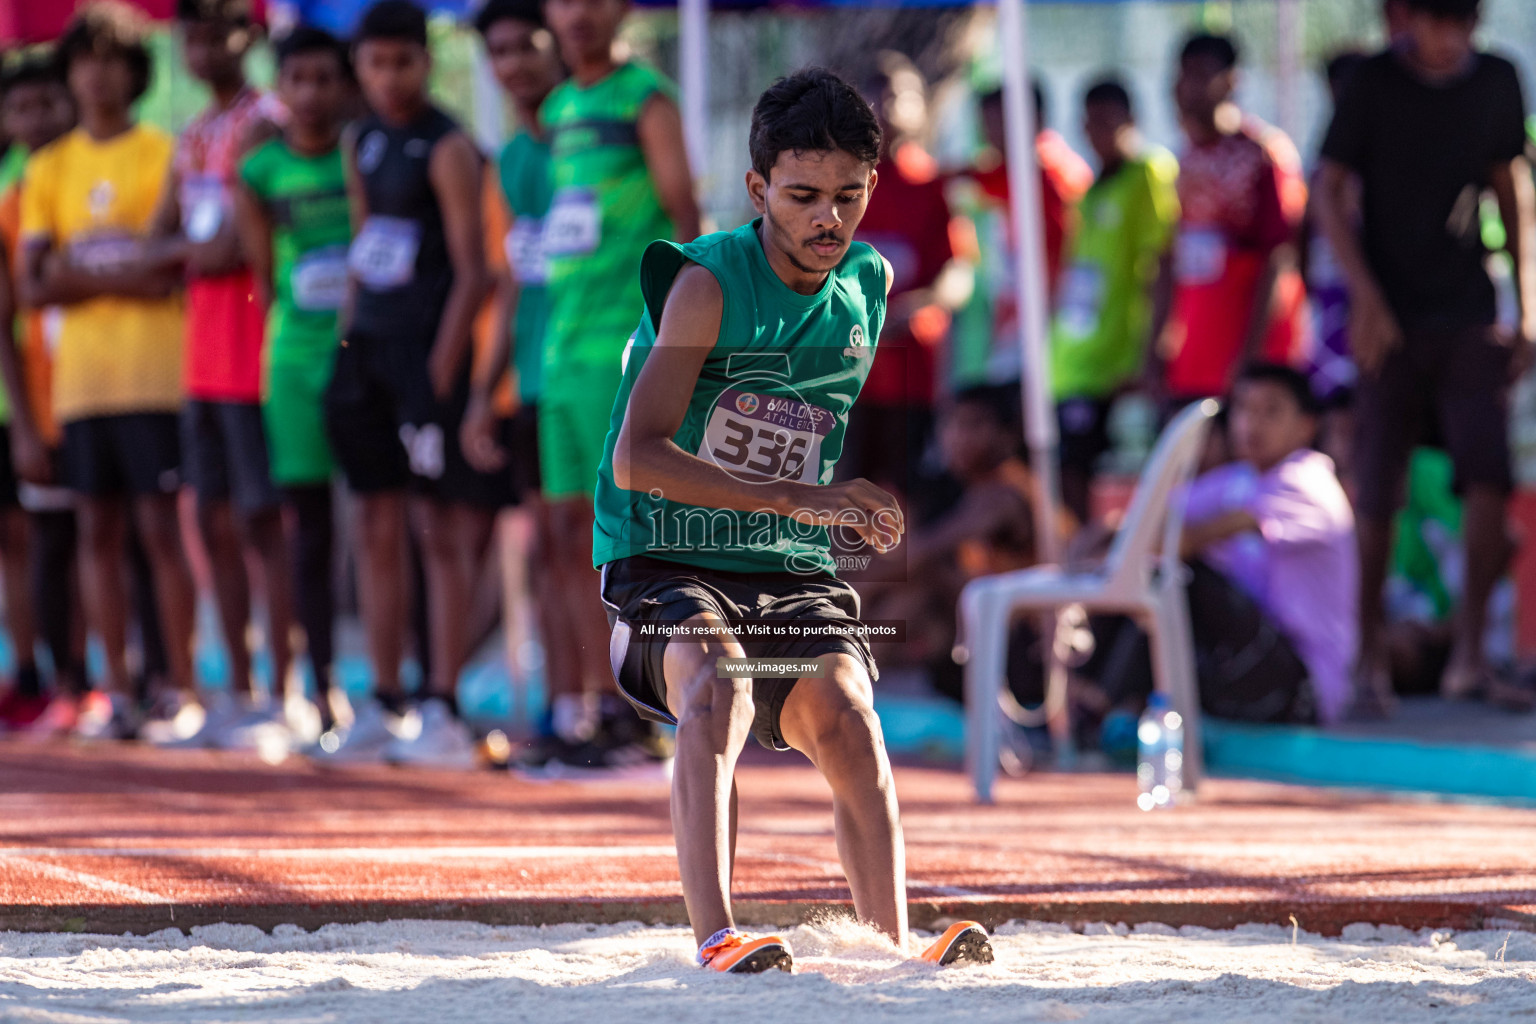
<point>856,336</point>
<point>746,403</point>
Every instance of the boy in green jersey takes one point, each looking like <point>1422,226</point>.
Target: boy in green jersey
<point>620,173</point>
<point>291,209</point>
<point>714,500</point>
<point>526,62</point>
<point>1104,300</point>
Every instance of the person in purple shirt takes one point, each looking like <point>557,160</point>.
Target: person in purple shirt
<point>1276,523</point>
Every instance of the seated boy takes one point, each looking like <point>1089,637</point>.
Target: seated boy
<point>1276,523</point>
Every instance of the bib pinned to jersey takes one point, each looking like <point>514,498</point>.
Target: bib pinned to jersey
<point>758,437</point>
<point>319,279</point>
<point>383,255</point>
<point>1200,256</point>
<point>574,224</point>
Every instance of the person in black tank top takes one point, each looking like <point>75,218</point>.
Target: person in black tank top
<point>395,403</point>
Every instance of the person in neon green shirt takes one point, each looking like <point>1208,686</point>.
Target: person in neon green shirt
<point>621,180</point>
<point>1104,302</point>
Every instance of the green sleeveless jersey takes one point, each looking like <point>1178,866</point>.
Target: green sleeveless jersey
<point>523,169</point>
<point>771,402</point>
<point>603,214</point>
<point>305,198</point>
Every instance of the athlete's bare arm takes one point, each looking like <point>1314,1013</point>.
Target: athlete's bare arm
<point>477,436</point>
<point>455,174</point>
<point>27,448</point>
<point>1373,328</point>
<point>357,205</point>
<point>660,127</point>
<point>255,234</point>
<point>647,459</point>
<point>1516,195</point>
<point>46,278</point>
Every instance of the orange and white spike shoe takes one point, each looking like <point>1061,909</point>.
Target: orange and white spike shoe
<point>733,953</point>
<point>963,943</point>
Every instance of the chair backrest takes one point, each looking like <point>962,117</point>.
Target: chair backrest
<point>1157,508</point>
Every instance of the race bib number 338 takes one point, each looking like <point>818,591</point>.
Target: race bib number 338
<point>766,437</point>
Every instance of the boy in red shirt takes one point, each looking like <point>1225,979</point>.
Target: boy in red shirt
<point>1235,297</point>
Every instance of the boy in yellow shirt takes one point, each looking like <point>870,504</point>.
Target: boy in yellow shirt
<point>87,203</point>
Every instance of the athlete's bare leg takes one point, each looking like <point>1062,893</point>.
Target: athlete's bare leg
<point>231,587</point>
<point>714,721</point>
<point>263,535</point>
<point>382,584</point>
<point>832,721</point>
<point>103,535</point>
<point>160,533</point>
<point>450,535</point>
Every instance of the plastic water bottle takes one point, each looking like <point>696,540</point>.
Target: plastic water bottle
<point>1160,749</point>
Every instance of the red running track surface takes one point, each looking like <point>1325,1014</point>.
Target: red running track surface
<point>118,838</point>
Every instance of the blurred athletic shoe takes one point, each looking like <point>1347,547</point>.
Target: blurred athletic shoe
<point>17,712</point>
<point>364,741</point>
<point>444,741</point>
<point>108,717</point>
<point>179,721</point>
<point>60,718</point>
<point>257,728</point>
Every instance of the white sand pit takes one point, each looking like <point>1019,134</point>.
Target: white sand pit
<point>420,971</point>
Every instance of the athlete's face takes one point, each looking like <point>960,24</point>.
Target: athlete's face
<point>101,82</point>
<point>524,59</point>
<point>36,113</point>
<point>1267,424</point>
<point>585,29</point>
<point>215,51</point>
<point>1440,44</point>
<point>1202,86</point>
<point>811,204</point>
<point>393,75</point>
<point>1102,124</point>
<point>315,90</point>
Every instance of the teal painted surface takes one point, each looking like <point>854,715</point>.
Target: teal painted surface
<point>1312,756</point>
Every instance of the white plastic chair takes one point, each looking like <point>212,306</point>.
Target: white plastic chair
<point>1133,580</point>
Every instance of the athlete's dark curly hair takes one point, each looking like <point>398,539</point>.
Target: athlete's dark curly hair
<point>108,28</point>
<point>812,110</point>
<point>529,11</point>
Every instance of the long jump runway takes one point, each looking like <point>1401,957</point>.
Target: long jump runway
<point>113,838</point>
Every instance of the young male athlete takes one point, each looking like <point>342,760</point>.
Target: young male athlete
<point>620,173</point>
<point>527,64</point>
<point>294,222</point>
<point>37,546</point>
<point>713,501</point>
<point>224,450</point>
<point>88,201</point>
<point>401,383</point>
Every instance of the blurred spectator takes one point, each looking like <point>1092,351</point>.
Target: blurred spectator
<point>87,205</point>
<point>1270,540</point>
<point>1329,365</point>
<point>1422,316</point>
<point>1276,522</point>
<point>224,446</point>
<point>990,529</point>
<point>908,221</point>
<point>1064,178</point>
<point>1103,315</point>
<point>1235,293</point>
<point>38,545</point>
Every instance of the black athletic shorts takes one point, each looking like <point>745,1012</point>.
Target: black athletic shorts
<point>9,484</point>
<point>389,430</point>
<point>224,452</point>
<point>642,589</point>
<point>129,454</point>
<point>520,438</point>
